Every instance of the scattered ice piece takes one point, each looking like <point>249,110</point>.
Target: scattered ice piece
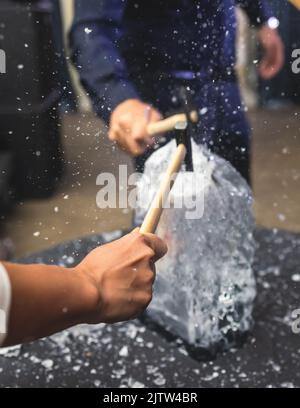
<point>296,277</point>
<point>106,340</point>
<point>48,364</point>
<point>34,359</point>
<point>287,385</point>
<point>123,352</point>
<point>275,270</point>
<point>76,368</point>
<point>10,351</point>
<point>111,236</point>
<point>88,30</point>
<point>68,358</point>
<point>159,380</point>
<point>183,351</point>
<point>135,384</point>
<point>211,377</point>
<point>36,234</point>
<point>151,369</point>
<point>131,331</point>
<point>70,260</point>
<point>273,22</point>
<point>119,373</point>
<point>275,367</point>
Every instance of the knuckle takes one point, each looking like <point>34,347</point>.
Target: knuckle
<point>149,253</point>
<point>142,300</point>
<point>148,298</point>
<point>111,136</point>
<point>149,277</point>
<point>141,239</point>
<point>124,119</point>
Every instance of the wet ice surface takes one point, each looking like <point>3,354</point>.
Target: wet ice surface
<point>89,356</point>
<point>205,287</point>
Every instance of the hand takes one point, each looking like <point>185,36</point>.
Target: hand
<point>122,274</point>
<point>128,126</point>
<point>273,59</point>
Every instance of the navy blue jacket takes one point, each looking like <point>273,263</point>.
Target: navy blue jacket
<point>115,41</point>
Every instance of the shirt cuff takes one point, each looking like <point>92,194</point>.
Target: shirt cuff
<point>118,91</point>
<point>5,299</point>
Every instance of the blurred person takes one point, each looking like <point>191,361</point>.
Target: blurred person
<point>6,202</point>
<point>68,99</point>
<point>283,91</point>
<point>133,56</point>
<point>112,284</point>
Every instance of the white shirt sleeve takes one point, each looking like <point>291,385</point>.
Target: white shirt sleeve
<point>5,298</point>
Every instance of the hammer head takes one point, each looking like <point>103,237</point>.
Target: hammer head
<point>183,136</point>
<point>184,130</point>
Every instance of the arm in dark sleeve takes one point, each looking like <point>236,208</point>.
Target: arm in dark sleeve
<point>94,44</point>
<point>258,11</point>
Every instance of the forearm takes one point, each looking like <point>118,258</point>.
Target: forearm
<point>94,44</point>
<point>45,300</point>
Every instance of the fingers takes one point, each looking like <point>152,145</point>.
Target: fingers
<point>128,127</point>
<point>268,62</point>
<point>280,56</point>
<point>158,245</point>
<point>272,62</point>
<point>265,69</point>
<point>114,133</point>
<point>273,59</point>
<point>121,136</point>
<point>155,116</point>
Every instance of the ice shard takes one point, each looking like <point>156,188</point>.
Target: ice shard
<point>205,286</point>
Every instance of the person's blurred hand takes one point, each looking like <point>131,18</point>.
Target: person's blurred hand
<point>122,274</point>
<point>128,126</point>
<point>273,47</point>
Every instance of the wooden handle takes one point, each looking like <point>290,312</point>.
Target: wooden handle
<point>170,123</point>
<point>153,216</point>
<point>296,3</point>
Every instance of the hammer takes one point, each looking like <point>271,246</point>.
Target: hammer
<point>180,123</point>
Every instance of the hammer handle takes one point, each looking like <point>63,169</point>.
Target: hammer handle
<point>153,216</point>
<point>170,123</point>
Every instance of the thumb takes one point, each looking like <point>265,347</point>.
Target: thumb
<point>158,245</point>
